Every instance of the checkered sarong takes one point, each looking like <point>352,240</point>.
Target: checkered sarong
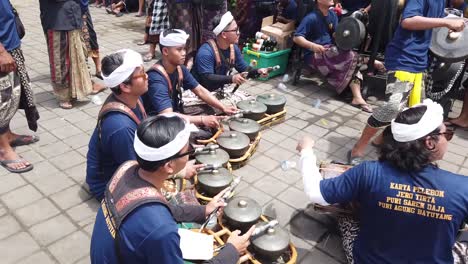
<point>160,21</point>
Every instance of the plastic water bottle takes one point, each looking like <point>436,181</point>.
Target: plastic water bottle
<point>285,78</point>
<point>282,86</point>
<point>316,102</point>
<point>287,165</point>
<point>95,99</point>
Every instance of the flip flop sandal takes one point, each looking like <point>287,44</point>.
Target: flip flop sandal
<point>148,57</point>
<point>454,126</point>
<point>94,92</point>
<point>119,14</point>
<point>5,164</point>
<point>141,43</point>
<point>139,15</point>
<point>24,140</point>
<point>66,105</point>
<point>109,10</point>
<point>364,107</point>
<point>354,161</point>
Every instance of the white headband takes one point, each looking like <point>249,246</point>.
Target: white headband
<point>432,119</point>
<point>131,60</point>
<point>225,20</point>
<point>170,149</point>
<point>175,39</point>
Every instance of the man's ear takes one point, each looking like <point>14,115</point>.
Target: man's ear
<point>125,88</point>
<point>165,51</point>
<point>430,143</point>
<point>169,167</point>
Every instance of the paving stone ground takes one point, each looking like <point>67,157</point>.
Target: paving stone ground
<point>47,215</point>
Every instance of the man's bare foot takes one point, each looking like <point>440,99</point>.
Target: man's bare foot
<point>66,105</point>
<point>12,162</point>
<point>458,122</point>
<point>97,88</point>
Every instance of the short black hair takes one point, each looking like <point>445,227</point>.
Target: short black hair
<point>109,64</point>
<point>407,156</point>
<point>156,132</point>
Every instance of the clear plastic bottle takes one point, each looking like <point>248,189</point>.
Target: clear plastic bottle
<point>287,165</point>
<point>95,99</point>
<point>285,78</point>
<point>316,102</point>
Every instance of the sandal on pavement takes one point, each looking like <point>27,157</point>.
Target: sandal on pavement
<point>23,140</point>
<point>148,57</point>
<point>100,90</point>
<point>364,107</point>
<point>5,164</point>
<point>143,42</point>
<point>65,105</point>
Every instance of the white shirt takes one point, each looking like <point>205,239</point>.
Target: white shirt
<point>311,176</point>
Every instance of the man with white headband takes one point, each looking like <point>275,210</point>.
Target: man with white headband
<point>217,57</point>
<point>135,223</point>
<point>112,141</point>
<point>409,209</point>
<point>168,79</point>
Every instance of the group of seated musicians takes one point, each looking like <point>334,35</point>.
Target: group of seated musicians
<point>139,231</point>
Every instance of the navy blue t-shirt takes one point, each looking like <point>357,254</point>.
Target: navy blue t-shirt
<point>408,50</point>
<point>405,217</point>
<point>158,99</point>
<point>205,63</point>
<point>8,35</point>
<point>353,5</point>
<point>115,148</point>
<point>149,234</point>
<point>315,28</point>
<point>290,12</point>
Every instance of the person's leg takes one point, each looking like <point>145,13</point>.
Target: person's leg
<point>153,40</point>
<point>141,5</point>
<point>462,119</point>
<point>397,96</point>
<point>358,100</point>
<point>8,157</point>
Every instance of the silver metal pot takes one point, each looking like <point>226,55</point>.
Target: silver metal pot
<point>233,142</point>
<point>241,213</point>
<point>253,109</point>
<point>274,102</point>
<point>215,157</point>
<point>247,126</point>
<point>272,244</point>
<point>213,181</point>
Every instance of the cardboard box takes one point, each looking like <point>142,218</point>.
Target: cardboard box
<point>283,33</point>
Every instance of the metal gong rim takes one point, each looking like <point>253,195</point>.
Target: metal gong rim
<point>446,49</point>
<point>349,33</point>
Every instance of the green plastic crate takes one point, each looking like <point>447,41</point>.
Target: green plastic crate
<point>269,59</point>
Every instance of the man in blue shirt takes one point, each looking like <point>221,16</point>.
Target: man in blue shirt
<point>406,59</point>
<point>216,58</point>
<point>135,223</point>
<point>168,79</point>
<point>315,36</point>
<point>410,211</point>
<point>111,143</point>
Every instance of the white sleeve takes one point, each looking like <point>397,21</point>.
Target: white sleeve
<point>311,176</point>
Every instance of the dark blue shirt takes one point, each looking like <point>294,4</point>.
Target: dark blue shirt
<point>408,50</point>
<point>205,63</point>
<point>405,217</point>
<point>290,12</point>
<point>149,234</point>
<point>158,99</point>
<point>115,147</point>
<point>316,28</point>
<point>353,5</point>
<point>8,34</point>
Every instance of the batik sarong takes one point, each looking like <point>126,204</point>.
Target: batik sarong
<point>349,229</point>
<point>67,57</point>
<point>89,35</point>
<point>160,19</point>
<point>337,66</point>
<point>186,16</point>
<point>154,39</point>
<point>10,93</point>
<point>208,16</point>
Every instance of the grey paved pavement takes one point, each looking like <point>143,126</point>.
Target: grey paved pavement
<point>47,215</point>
